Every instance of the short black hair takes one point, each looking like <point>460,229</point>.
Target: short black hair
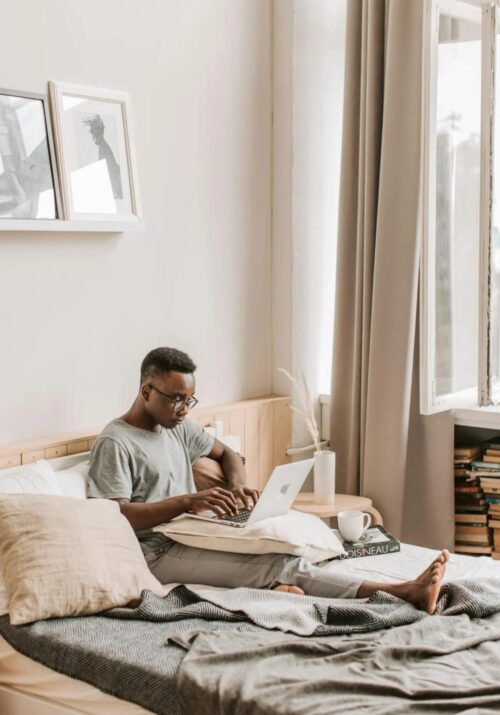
<point>162,360</point>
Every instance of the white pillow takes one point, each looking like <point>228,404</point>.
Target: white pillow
<point>294,533</point>
<point>72,482</point>
<point>37,478</point>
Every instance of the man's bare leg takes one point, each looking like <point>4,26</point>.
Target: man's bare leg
<point>423,592</point>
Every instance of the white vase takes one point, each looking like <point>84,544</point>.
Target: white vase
<point>324,477</point>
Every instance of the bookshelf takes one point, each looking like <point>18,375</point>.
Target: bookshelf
<point>477,490</point>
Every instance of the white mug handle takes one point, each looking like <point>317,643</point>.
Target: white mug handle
<point>368,523</point>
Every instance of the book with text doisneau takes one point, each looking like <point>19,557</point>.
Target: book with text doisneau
<point>375,541</point>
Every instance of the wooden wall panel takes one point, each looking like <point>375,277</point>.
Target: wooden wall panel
<point>32,456</point>
<point>53,452</point>
<point>266,442</point>
<point>263,425</point>
<point>77,447</point>
<point>282,429</point>
<point>237,426</point>
<point>225,417</point>
<point>12,460</point>
<point>251,452</point>
<point>205,420</point>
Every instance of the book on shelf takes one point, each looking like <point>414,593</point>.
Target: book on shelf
<point>479,474</point>
<point>462,471</point>
<point>462,464</point>
<point>470,530</point>
<point>495,555</point>
<point>467,451</point>
<point>470,501</point>
<point>472,541</point>
<point>465,534</point>
<point>490,483</point>
<point>472,519</point>
<point>375,541</point>
<point>483,466</point>
<point>473,549</point>
<point>470,509</point>
<point>468,489</point>
<point>494,523</point>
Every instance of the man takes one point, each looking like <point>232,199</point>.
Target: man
<point>143,460</point>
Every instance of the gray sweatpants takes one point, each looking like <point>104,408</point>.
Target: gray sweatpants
<point>171,562</point>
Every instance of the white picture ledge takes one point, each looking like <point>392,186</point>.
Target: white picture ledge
<point>90,226</point>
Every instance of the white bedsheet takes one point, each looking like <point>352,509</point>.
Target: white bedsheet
<point>23,674</point>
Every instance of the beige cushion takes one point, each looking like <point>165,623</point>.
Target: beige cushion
<point>294,533</point>
<point>63,556</point>
<point>38,478</point>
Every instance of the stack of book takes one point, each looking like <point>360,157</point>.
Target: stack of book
<point>472,535</point>
<point>490,484</point>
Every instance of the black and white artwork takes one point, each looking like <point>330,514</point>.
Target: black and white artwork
<point>95,152</point>
<point>102,130</point>
<point>28,178</point>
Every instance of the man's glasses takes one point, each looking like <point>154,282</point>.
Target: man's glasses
<point>178,403</point>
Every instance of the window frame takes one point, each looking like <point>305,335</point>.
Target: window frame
<point>482,394</point>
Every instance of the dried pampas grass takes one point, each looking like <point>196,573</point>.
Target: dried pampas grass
<point>305,406</point>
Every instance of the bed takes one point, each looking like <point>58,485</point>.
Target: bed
<point>27,687</point>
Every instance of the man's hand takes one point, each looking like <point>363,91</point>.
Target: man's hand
<point>219,500</point>
<point>248,497</point>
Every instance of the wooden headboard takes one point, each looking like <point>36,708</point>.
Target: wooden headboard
<point>263,425</point>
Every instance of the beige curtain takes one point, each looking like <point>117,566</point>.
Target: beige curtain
<point>385,449</point>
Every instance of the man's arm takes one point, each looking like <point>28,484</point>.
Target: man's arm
<point>234,471</point>
<point>147,515</point>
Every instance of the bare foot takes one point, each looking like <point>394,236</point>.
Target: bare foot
<point>423,592</point>
<point>285,588</point>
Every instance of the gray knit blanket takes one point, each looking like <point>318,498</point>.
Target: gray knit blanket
<point>233,652</point>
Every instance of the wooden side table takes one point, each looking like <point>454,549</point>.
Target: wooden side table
<point>305,502</point>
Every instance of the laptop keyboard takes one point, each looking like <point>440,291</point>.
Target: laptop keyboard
<point>239,518</point>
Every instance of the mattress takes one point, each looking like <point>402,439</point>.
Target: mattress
<point>25,675</point>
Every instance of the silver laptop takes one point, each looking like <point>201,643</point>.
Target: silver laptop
<point>276,499</point>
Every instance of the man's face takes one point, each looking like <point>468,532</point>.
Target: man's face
<point>165,396</point>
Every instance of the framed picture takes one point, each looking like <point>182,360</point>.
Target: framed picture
<point>29,187</point>
<point>93,132</point>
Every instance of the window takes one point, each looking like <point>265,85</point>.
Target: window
<point>460,278</point>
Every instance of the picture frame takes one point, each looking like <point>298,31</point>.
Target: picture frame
<point>29,182</point>
<point>95,153</point>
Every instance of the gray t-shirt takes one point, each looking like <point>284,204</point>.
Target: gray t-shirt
<point>131,463</point>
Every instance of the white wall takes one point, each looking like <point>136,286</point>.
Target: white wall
<point>78,312</point>
<point>309,46</point>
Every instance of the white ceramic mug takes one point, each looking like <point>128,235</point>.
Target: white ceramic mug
<point>353,524</point>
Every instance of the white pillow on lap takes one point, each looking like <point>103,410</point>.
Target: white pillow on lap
<point>294,533</point>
